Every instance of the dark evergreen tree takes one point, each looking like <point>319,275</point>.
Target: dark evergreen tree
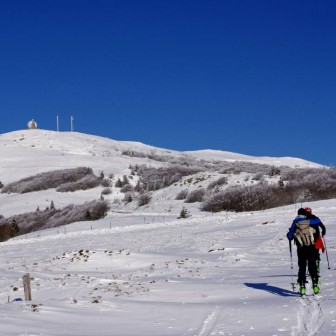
<point>184,213</point>
<point>88,215</point>
<point>14,228</point>
<point>118,184</point>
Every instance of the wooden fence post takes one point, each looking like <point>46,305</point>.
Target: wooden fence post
<point>26,287</point>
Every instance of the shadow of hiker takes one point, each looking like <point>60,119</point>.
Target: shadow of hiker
<point>271,289</point>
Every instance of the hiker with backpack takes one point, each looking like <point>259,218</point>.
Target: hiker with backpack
<point>316,223</point>
<point>303,235</point>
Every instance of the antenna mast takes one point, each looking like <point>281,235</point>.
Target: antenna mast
<point>72,123</point>
<point>57,123</point>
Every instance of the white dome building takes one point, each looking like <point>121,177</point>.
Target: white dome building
<point>32,124</point>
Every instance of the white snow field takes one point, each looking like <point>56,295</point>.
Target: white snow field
<point>144,272</point>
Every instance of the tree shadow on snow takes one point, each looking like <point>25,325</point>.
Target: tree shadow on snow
<point>271,289</point>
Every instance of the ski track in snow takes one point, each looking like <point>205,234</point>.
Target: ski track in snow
<point>208,324</point>
<point>310,317</point>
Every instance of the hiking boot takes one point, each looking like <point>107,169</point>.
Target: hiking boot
<point>316,289</point>
<point>302,284</point>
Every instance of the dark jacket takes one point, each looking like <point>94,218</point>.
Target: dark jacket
<point>314,222</point>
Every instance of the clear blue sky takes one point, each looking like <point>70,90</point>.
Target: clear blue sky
<point>255,77</point>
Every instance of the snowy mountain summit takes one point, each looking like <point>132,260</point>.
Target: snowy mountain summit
<point>32,151</point>
<point>26,153</point>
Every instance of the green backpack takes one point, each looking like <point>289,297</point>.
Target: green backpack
<point>304,233</point>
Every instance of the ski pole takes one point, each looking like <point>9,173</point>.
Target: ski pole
<point>291,257</point>
<point>325,245</point>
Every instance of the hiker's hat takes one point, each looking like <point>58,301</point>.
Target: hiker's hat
<point>309,210</point>
<point>302,212</point>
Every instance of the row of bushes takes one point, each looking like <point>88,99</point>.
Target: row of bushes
<point>151,156</point>
<point>157,178</point>
<point>257,197</point>
<point>225,167</point>
<point>295,185</point>
<point>64,180</point>
<point>51,217</point>
<point>264,196</point>
<point>246,198</point>
<point>192,196</point>
<point>301,185</point>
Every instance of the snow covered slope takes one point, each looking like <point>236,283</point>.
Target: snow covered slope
<point>209,154</point>
<point>141,275</point>
<point>28,152</point>
<point>145,272</point>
